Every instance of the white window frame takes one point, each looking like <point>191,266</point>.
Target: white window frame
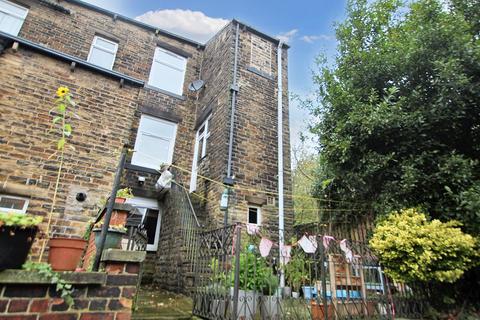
<point>9,210</point>
<point>199,138</point>
<point>22,17</point>
<point>99,47</point>
<point>142,205</point>
<point>171,148</point>
<point>259,215</point>
<point>157,60</point>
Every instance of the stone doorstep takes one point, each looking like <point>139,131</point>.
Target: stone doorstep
<point>28,277</point>
<point>123,256</point>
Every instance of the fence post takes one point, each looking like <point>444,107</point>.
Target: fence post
<point>237,271</point>
<point>111,202</point>
<point>323,278</point>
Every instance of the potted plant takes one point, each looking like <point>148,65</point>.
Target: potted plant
<point>296,273</point>
<point>114,235</point>
<point>17,232</point>
<point>251,282</point>
<point>65,253</point>
<point>123,195</point>
<point>270,300</point>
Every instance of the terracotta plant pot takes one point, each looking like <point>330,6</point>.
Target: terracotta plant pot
<point>120,200</point>
<point>318,311</point>
<point>65,253</point>
<point>15,243</point>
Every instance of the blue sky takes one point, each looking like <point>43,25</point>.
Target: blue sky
<point>308,26</point>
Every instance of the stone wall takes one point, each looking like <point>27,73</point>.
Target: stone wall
<point>109,118</point>
<point>97,295</point>
<point>108,115</point>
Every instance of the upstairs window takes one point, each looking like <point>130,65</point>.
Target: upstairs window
<point>202,136</point>
<point>254,215</point>
<point>13,204</point>
<point>103,52</point>
<point>200,151</point>
<point>168,71</point>
<point>154,143</point>
<point>11,17</point>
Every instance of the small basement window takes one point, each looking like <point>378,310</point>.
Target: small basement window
<point>13,204</point>
<point>254,215</point>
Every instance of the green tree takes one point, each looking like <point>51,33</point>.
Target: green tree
<point>303,176</point>
<point>400,109</point>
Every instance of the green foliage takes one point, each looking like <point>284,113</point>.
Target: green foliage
<point>114,227</point>
<point>125,193</point>
<point>399,123</point>
<point>21,220</point>
<point>305,207</point>
<point>411,248</point>
<point>88,231</point>
<point>61,115</point>
<point>270,283</point>
<point>296,271</point>
<point>253,270</point>
<point>61,286</point>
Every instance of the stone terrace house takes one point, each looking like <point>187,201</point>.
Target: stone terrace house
<point>131,81</point>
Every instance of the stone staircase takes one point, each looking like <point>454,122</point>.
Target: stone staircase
<point>155,303</point>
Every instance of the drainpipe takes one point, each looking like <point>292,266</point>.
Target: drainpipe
<point>281,223</point>
<point>234,89</point>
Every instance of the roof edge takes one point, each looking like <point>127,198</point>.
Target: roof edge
<point>260,33</point>
<point>136,22</point>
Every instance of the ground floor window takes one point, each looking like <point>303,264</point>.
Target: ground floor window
<point>151,219</point>
<point>254,215</point>
<point>13,204</point>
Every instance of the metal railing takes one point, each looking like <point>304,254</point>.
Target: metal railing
<point>233,281</point>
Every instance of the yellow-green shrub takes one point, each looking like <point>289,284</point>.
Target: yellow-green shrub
<point>411,248</point>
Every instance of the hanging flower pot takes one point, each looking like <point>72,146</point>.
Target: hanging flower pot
<point>17,232</point>
<point>65,253</point>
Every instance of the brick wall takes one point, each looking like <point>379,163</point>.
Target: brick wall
<point>96,296</point>
<point>109,117</point>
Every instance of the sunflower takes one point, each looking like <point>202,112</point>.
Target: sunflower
<point>62,91</point>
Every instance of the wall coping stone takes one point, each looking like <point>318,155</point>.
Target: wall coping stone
<point>119,255</point>
<point>32,277</point>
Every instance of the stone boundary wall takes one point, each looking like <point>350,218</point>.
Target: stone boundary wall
<point>105,295</point>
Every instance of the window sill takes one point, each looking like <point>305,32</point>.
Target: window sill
<point>168,93</point>
<point>135,167</point>
<point>260,73</point>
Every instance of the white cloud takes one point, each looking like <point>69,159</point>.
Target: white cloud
<point>312,39</point>
<point>194,25</point>
<point>287,36</point>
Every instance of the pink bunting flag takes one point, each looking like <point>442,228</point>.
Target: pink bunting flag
<point>265,247</point>
<point>252,229</point>
<point>327,240</point>
<point>286,253</point>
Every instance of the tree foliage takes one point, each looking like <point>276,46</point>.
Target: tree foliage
<point>412,248</point>
<point>303,173</point>
<point>399,114</point>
